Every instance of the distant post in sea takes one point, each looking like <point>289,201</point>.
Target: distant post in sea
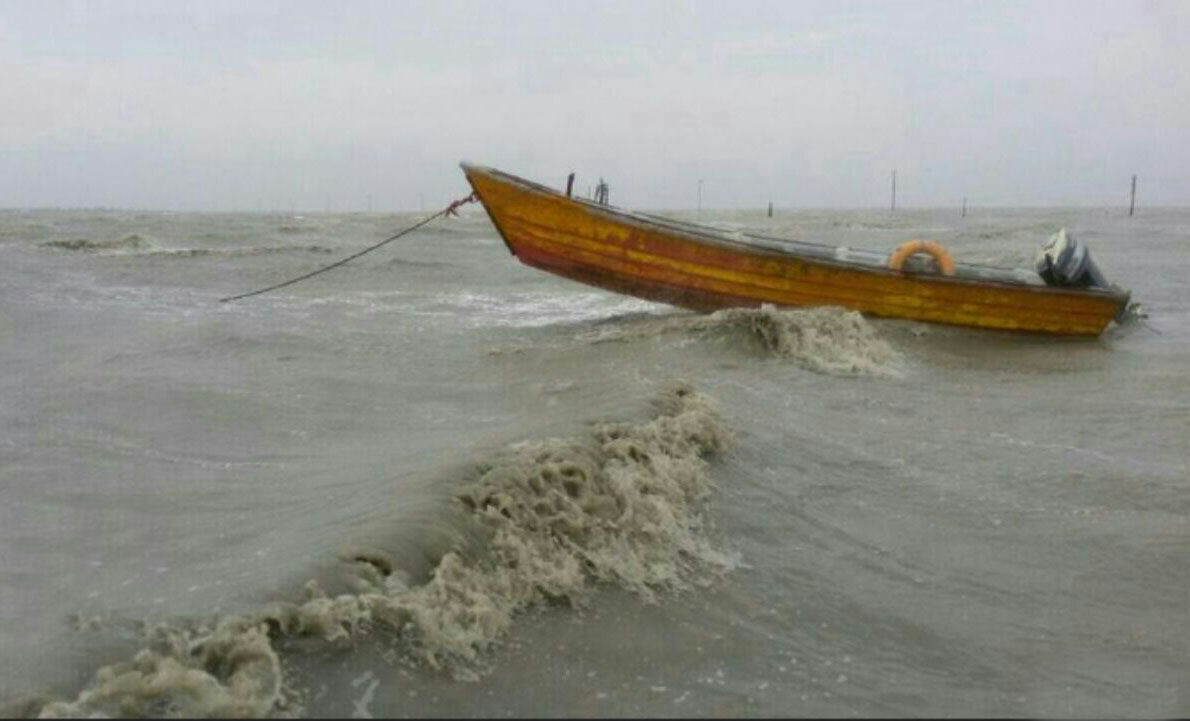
<point>894,191</point>
<point>770,208</point>
<point>1132,203</point>
<point>964,207</point>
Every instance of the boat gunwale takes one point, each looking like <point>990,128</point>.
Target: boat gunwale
<point>706,235</point>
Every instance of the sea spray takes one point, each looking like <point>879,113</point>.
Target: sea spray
<point>828,340</point>
<point>561,517</point>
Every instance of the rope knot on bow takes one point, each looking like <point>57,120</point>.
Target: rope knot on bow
<point>453,208</point>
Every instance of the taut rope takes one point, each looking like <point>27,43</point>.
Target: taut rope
<point>448,210</point>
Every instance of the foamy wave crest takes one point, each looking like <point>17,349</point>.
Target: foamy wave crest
<point>229,671</point>
<point>127,244</point>
<point>138,245</point>
<point>559,517</point>
<point>239,252</point>
<point>829,340</point>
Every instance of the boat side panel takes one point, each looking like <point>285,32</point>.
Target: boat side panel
<point>567,238</point>
<point>806,289</point>
<point>703,294</point>
<point>690,297</point>
<point>772,275</point>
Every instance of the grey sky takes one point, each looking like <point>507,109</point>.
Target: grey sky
<point>246,105</point>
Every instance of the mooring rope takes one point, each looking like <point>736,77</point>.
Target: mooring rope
<point>448,210</point>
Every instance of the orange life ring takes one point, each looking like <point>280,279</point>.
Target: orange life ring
<point>897,260</point>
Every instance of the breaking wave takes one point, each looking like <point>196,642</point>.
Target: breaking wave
<point>240,252</point>
<point>559,517</point>
<point>137,245</point>
<point>828,340</point>
<point>128,244</point>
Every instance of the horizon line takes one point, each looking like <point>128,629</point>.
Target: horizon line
<point>759,209</point>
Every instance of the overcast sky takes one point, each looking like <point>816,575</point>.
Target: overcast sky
<point>271,105</point>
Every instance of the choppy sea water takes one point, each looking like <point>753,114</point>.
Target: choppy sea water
<point>437,482</point>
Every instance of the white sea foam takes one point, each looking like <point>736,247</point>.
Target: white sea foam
<point>560,516</point>
<point>124,245</point>
<point>140,246</point>
<point>536,309</point>
<point>828,340</point>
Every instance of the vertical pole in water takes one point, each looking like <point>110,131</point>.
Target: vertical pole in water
<point>894,191</point>
<point>964,207</point>
<point>569,184</point>
<point>770,208</point>
<point>1132,204</point>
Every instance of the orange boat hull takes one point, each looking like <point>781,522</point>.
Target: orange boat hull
<point>626,253</point>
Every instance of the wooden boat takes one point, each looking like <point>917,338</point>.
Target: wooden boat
<point>704,268</point>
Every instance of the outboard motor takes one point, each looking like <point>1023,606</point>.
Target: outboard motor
<point>1063,261</point>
